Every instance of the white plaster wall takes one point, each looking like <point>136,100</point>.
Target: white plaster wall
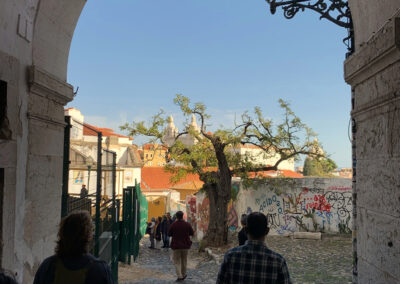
<point>75,188</point>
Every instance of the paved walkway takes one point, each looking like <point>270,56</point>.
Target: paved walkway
<point>155,266</point>
<point>310,261</point>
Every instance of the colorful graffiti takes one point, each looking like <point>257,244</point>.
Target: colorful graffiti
<point>191,211</point>
<point>232,217</point>
<point>203,214</point>
<point>319,204</point>
<point>324,205</point>
<point>303,205</point>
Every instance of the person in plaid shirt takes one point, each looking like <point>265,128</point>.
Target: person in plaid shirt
<point>254,262</point>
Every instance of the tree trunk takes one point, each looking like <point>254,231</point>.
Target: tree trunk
<point>217,233</point>
<point>219,194</point>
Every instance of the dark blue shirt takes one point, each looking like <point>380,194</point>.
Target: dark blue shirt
<point>98,271</point>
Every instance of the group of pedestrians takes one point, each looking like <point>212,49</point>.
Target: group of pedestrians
<point>180,231</point>
<point>157,229</point>
<point>252,262</point>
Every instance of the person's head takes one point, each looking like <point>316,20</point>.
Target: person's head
<point>179,215</point>
<point>159,219</point>
<point>83,186</point>
<point>153,219</point>
<point>7,277</point>
<point>74,235</point>
<point>164,217</point>
<point>257,226</point>
<point>243,220</point>
<point>168,215</point>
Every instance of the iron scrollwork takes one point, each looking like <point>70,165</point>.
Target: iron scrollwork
<point>336,11</point>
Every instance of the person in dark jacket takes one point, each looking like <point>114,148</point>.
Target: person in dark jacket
<point>242,236</point>
<point>84,192</point>
<point>72,262</point>
<point>166,223</point>
<point>158,233</point>
<point>180,231</point>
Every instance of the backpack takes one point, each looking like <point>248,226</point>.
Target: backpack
<point>62,275</point>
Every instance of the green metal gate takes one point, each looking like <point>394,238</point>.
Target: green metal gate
<point>116,237</point>
<point>134,219</point>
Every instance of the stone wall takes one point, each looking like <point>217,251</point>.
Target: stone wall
<point>373,71</point>
<point>291,205</point>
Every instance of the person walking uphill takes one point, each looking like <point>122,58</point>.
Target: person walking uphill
<point>72,263</point>
<point>180,231</point>
<point>254,262</point>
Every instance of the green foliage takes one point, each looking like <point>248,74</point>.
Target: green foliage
<point>216,154</point>
<point>321,167</point>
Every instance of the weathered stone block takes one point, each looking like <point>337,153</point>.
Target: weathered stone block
<point>378,132</point>
<point>378,87</point>
<point>10,176</point>
<point>45,138</point>
<point>9,69</point>
<point>378,184</point>
<point>8,154</point>
<point>370,274</point>
<point>381,234</point>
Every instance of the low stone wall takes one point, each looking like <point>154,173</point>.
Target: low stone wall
<point>291,205</point>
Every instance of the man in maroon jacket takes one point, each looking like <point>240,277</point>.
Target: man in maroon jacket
<point>180,231</point>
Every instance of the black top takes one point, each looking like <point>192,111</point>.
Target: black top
<point>165,224</point>
<point>98,271</point>
<point>242,236</point>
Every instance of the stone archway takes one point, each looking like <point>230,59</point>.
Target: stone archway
<point>35,38</point>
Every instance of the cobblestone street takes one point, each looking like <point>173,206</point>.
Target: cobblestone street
<point>310,261</point>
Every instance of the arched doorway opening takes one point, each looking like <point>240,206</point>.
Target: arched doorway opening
<point>34,44</point>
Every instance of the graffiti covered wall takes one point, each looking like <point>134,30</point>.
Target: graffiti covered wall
<point>291,205</point>
<point>303,204</point>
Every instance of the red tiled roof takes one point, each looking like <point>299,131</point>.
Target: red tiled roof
<point>279,173</point>
<point>104,131</point>
<point>157,178</point>
<point>152,146</point>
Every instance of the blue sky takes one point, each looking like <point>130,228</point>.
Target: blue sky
<point>130,57</point>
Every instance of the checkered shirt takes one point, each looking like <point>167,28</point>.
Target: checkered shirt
<point>253,263</point>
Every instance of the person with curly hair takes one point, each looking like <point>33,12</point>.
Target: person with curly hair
<point>6,277</point>
<point>72,262</point>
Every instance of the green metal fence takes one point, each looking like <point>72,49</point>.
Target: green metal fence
<point>116,237</point>
<point>134,218</point>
